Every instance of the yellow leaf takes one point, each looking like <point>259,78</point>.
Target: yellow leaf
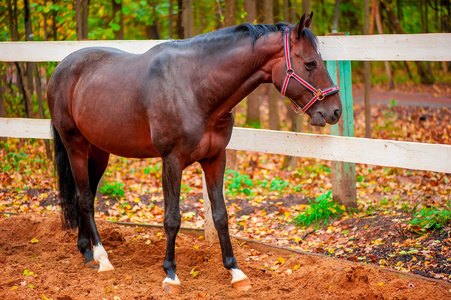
<point>296,267</point>
<point>14,288</point>
<point>280,261</point>
<point>381,284</point>
<point>331,251</point>
<point>194,272</point>
<point>342,207</point>
<point>136,200</point>
<point>196,247</point>
<point>34,240</point>
<point>333,210</point>
<point>201,238</point>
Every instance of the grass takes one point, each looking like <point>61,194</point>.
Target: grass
<point>430,218</point>
<point>114,190</point>
<point>320,211</point>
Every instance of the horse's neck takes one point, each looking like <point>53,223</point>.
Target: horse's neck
<point>238,71</point>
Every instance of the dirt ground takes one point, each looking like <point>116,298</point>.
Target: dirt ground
<point>40,261</point>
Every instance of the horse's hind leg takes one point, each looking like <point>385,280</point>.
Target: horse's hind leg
<point>172,178</point>
<point>97,163</point>
<point>78,149</point>
<point>214,178</point>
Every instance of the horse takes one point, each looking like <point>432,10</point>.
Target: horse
<point>175,102</point>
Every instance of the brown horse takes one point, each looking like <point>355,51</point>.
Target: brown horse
<point>175,102</point>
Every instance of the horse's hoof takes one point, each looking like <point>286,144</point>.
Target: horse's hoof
<point>92,264</point>
<point>242,285</point>
<point>101,257</point>
<point>105,265</point>
<point>171,288</point>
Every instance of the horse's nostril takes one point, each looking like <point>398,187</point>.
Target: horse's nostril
<point>338,112</point>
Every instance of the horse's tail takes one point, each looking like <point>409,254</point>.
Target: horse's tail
<point>66,184</point>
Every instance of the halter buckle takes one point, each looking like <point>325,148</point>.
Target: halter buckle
<point>319,94</point>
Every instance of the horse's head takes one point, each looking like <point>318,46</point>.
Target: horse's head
<point>302,76</point>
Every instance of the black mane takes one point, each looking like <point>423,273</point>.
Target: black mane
<point>255,31</point>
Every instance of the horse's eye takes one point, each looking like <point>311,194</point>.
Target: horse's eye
<point>310,65</point>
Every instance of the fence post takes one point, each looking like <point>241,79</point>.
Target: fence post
<point>343,173</point>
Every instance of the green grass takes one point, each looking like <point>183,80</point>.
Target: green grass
<point>430,219</point>
<point>320,211</point>
<point>114,190</point>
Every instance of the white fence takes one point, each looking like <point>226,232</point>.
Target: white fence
<point>419,156</point>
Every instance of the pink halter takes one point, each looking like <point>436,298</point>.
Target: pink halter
<point>318,94</point>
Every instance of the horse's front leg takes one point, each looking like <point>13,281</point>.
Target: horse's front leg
<point>214,178</point>
<point>172,178</point>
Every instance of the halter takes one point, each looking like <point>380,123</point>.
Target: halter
<point>318,94</point>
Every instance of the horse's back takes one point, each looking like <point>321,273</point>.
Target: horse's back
<point>99,93</point>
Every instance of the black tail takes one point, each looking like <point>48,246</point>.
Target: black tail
<point>66,184</point>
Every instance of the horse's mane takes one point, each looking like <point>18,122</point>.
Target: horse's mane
<point>254,31</point>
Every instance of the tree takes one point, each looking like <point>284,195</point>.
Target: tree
<point>187,18</point>
<point>118,22</point>
<point>253,99</point>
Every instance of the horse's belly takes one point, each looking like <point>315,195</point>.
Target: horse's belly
<point>127,139</point>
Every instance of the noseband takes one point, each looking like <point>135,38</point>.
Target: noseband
<point>318,94</point>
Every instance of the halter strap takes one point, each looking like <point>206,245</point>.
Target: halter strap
<point>318,94</point>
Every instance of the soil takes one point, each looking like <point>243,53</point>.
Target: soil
<point>40,261</point>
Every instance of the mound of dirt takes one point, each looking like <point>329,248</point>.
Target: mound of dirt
<point>41,261</point>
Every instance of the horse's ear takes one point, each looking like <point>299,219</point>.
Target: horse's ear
<point>303,23</point>
<point>309,20</point>
<point>299,28</point>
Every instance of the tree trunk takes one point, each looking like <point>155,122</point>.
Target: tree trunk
<point>367,76</point>
<point>180,33</point>
<point>381,31</point>
<point>307,8</point>
<point>187,18</point>
<point>171,18</point>
<point>276,11</point>
<point>285,13</point>
<point>253,99</point>
<point>229,17</point>
<point>84,16</point>
<point>425,77</point>
<point>292,10</point>
<point>336,15</point>
<point>153,32</point>
<point>79,19</point>
<point>273,97</point>
<point>117,19</point>
<point>28,81</point>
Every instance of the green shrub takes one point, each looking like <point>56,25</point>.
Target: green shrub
<point>321,209</point>
<point>114,190</point>
<point>430,219</point>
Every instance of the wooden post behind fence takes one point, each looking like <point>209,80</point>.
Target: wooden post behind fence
<point>343,173</point>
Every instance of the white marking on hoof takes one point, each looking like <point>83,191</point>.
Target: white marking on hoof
<point>101,257</point>
<point>172,286</point>
<point>172,281</point>
<point>239,280</point>
<point>237,275</point>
